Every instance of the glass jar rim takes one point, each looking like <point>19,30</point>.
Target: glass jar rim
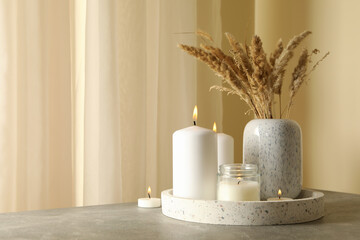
<point>238,170</point>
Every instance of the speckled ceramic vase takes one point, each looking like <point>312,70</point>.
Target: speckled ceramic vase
<point>275,145</point>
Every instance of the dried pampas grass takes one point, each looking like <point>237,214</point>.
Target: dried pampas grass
<point>252,76</point>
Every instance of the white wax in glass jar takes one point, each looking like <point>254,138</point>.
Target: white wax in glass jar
<point>232,190</point>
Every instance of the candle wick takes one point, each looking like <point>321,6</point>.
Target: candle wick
<point>279,196</point>
<point>239,182</point>
<point>149,195</point>
<point>194,123</point>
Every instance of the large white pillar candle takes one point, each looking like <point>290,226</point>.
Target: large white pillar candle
<point>195,163</point>
<point>225,147</point>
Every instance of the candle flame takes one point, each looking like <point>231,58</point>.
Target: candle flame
<point>195,113</point>
<point>279,193</point>
<point>214,127</point>
<point>149,191</point>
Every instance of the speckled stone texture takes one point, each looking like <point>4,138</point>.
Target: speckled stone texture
<point>309,207</point>
<point>275,146</point>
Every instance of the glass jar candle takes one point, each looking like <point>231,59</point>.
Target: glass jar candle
<point>238,182</point>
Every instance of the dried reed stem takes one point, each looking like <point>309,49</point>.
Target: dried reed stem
<point>275,55</point>
<point>204,35</point>
<point>300,75</point>
<point>251,75</point>
<point>284,58</point>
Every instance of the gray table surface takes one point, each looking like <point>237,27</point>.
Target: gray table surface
<point>127,221</point>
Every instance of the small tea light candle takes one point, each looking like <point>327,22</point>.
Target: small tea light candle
<point>279,198</point>
<point>149,202</point>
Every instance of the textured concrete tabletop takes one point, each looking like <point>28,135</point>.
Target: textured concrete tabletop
<point>127,221</point>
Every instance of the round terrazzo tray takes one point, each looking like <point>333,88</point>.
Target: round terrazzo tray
<point>307,207</point>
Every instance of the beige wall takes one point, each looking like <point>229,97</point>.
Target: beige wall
<point>327,107</point>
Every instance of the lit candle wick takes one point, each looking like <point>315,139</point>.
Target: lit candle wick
<point>279,193</point>
<point>195,113</point>
<point>149,192</point>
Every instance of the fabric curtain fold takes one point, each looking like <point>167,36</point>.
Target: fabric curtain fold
<point>35,131</point>
<point>90,94</point>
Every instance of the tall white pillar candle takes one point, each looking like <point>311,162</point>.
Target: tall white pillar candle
<point>225,147</point>
<point>195,163</point>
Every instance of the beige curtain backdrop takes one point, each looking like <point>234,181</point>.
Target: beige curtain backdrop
<point>35,105</point>
<point>90,94</point>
